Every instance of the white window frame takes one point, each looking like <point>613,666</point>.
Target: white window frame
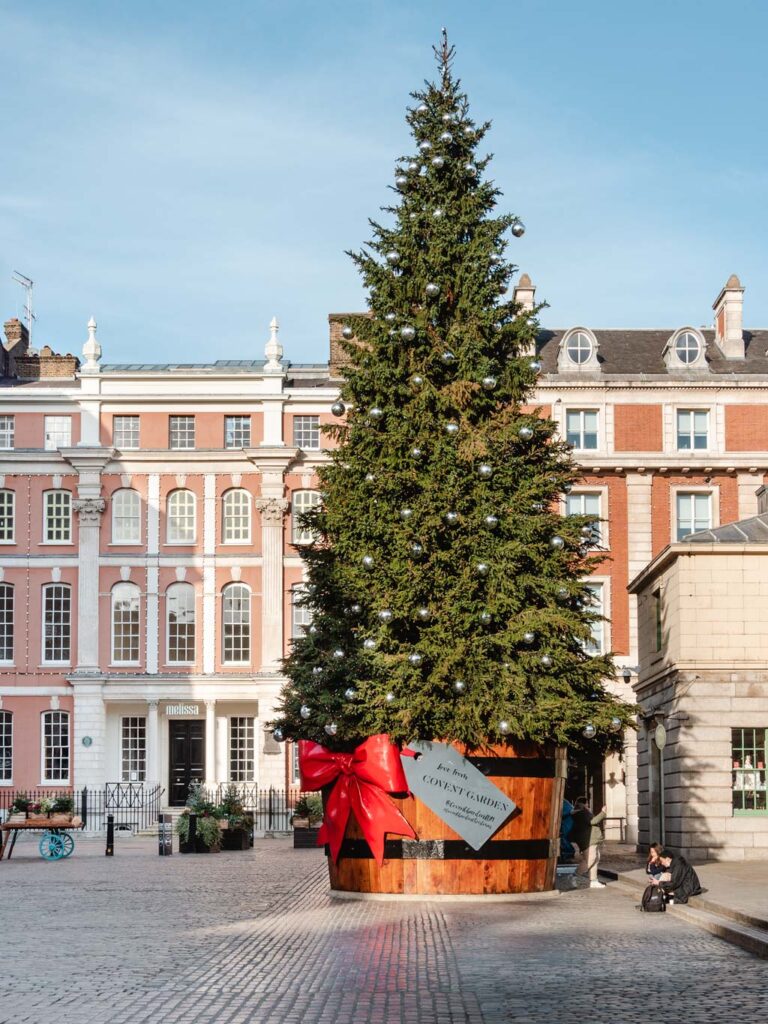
<point>120,518</point>
<point>238,758</point>
<point>672,358</point>
<point>10,515</point>
<point>45,779</point>
<point>6,748</point>
<point>50,516</point>
<point>57,432</point>
<point>693,412</point>
<point>64,588</point>
<point>237,432</point>
<point>306,425</point>
<point>604,627</point>
<point>133,436</point>
<point>299,505</point>
<point>7,432</point>
<point>582,411</point>
<point>177,435</point>
<point>173,520</point>
<point>236,523</point>
<point>117,653</point>
<point>565,363</point>
<point>299,612</point>
<point>248,623</point>
<point>133,754</point>
<point>173,589</point>
<point>714,506</point>
<point>7,624</point>
<point>601,530</point>
<point>295,772</point>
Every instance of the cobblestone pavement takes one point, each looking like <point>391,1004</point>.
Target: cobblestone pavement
<point>253,937</point>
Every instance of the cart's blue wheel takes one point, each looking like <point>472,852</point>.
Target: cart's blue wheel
<point>51,846</point>
<point>69,843</point>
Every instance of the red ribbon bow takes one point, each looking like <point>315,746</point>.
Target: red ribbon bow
<point>363,778</point>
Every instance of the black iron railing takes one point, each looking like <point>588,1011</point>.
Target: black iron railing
<point>272,809</point>
<point>133,805</point>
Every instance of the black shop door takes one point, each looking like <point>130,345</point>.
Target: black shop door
<point>186,741</point>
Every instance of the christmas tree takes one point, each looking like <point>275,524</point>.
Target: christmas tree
<point>447,592</point>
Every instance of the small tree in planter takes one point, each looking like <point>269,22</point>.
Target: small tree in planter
<point>208,830</point>
<point>306,819</point>
<point>237,831</point>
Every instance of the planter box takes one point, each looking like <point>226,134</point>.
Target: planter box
<point>197,847</point>
<point>236,839</point>
<point>305,838</point>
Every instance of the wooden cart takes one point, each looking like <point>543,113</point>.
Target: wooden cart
<point>56,843</point>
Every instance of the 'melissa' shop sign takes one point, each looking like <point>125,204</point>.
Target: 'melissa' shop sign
<point>456,791</point>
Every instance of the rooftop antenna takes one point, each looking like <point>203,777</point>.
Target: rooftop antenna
<point>27,284</point>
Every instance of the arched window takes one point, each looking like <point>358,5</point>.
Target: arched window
<point>6,623</point>
<point>687,347</point>
<point>57,623</point>
<point>579,347</point>
<point>181,517</point>
<point>236,617</point>
<point>125,624</point>
<point>6,746</point>
<point>7,517</point>
<point>180,616</point>
<point>55,747</point>
<point>237,517</point>
<point>126,516</point>
<point>302,501</point>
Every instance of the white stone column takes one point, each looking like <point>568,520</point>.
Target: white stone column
<point>272,511</point>
<point>210,742</point>
<point>748,484</point>
<point>153,744</point>
<point>90,720</point>
<point>222,748</point>
<point>89,510</point>
<point>153,619</point>
<point>209,575</point>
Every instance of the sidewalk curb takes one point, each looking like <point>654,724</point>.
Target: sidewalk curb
<point>722,922</point>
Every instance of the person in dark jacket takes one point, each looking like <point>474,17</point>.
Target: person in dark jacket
<point>654,867</point>
<point>683,880</point>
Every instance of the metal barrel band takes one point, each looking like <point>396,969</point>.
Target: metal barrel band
<point>448,849</point>
<point>516,767</point>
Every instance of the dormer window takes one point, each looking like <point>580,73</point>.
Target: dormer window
<point>578,351</point>
<point>687,347</point>
<point>685,350</point>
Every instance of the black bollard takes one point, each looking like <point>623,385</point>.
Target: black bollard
<point>164,835</point>
<point>110,850</point>
<point>192,837</point>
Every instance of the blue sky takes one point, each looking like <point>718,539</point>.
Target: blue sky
<point>184,171</point>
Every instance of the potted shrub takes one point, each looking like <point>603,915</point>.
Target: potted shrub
<point>207,832</point>
<point>236,824</point>
<point>306,819</point>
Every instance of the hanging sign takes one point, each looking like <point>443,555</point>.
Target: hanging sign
<point>660,736</point>
<point>456,791</point>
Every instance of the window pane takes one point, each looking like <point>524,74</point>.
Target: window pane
<point>55,746</point>
<point>7,508</point>
<point>57,613</point>
<point>237,624</point>
<point>237,517</point>
<point>133,749</point>
<point>242,760</point>
<point>748,750</point>
<point>126,516</point>
<point>301,501</point>
<point>6,431</point>
<point>596,645</point>
<point>581,428</point>
<point>182,432</point>
<point>125,432</point>
<point>180,608</point>
<point>58,432</point>
<point>125,624</point>
<point>301,616</point>
<point>237,431</point>
<point>693,514</point>
<point>6,746</point>
<point>585,504</point>
<point>58,516</point>
<point>181,517</point>
<point>306,431</point>
<point>6,622</point>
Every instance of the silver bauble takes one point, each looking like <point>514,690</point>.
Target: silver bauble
<point>413,167</point>
<point>339,654</point>
<point>446,138</point>
<point>484,471</point>
<point>469,130</point>
<point>347,332</point>
<point>470,168</point>
<point>589,731</point>
<point>338,409</point>
<point>557,543</point>
<point>415,658</point>
<point>369,478</point>
<point>369,644</point>
<point>424,614</point>
<point>491,521</point>
<point>448,357</point>
<point>406,513</point>
<point>311,588</point>
<point>317,670</point>
<point>482,568</point>
<point>422,108</point>
<point>563,593</point>
<point>385,615</point>
<point>546,661</point>
<point>518,229</point>
<point>417,380</point>
<point>489,383</point>
<point>312,629</point>
<point>389,697</point>
<point>447,118</point>
<point>459,685</point>
<point>432,290</point>
<point>393,257</point>
<point>485,618</point>
<point>503,727</point>
<point>425,147</point>
<point>587,531</point>
<point>451,518</point>
<point>350,693</point>
<point>278,734</point>
<point>437,213</point>
<point>390,317</point>
<point>529,637</point>
<point>535,365</point>
<point>375,412</point>
<point>417,550</point>
<point>401,181</point>
<point>438,162</point>
<point>416,454</point>
<point>615,725</point>
<point>331,728</point>
<point>525,433</point>
<point>305,711</point>
<point>355,609</point>
<point>408,333</point>
<point>367,561</point>
<point>392,333</point>
<point>451,428</point>
<point>498,326</point>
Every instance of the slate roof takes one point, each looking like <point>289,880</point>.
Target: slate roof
<point>747,531</point>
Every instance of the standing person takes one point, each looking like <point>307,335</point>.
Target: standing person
<point>587,834</point>
<point>567,850</point>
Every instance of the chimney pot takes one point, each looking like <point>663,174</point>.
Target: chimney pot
<point>524,292</point>
<point>729,319</point>
<point>762,500</point>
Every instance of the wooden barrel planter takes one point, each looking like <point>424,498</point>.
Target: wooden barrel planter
<point>520,857</point>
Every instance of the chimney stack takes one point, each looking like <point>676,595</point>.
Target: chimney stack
<point>729,319</point>
<point>524,292</point>
<point>17,337</point>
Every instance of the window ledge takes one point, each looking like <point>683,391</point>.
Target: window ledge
<point>55,664</point>
<point>124,544</point>
<point>6,783</point>
<point>125,664</point>
<point>179,543</point>
<point>57,543</point>
<point>7,664</point>
<point>55,783</point>
<point>8,543</point>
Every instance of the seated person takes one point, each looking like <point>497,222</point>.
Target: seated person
<point>654,867</point>
<point>683,881</point>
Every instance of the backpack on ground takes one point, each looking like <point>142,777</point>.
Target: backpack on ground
<point>653,899</point>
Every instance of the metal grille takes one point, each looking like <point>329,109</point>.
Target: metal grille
<point>692,429</point>
<point>237,517</point>
<point>180,608</point>
<point>125,624</point>
<point>306,432</point>
<point>6,746</point>
<point>182,432</point>
<point>237,624</point>
<point>125,432</point>
<point>6,623</point>
<point>237,431</point>
<point>302,501</point>
<point>58,432</point>
<point>581,428</point>
<point>7,509</point>
<point>586,504</point>
<point>55,746</point>
<point>6,431</point>
<point>181,517</point>
<point>748,747</point>
<point>57,622</point>
<point>241,749</point>
<point>58,517</point>
<point>126,516</point>
<point>133,748</point>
